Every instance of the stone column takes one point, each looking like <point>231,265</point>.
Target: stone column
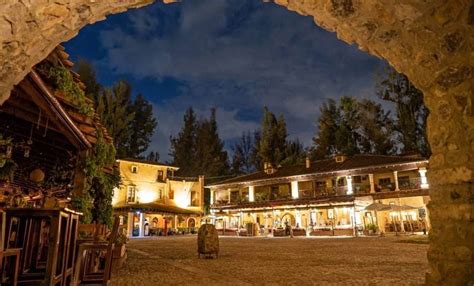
<point>130,224</point>
<point>176,223</point>
<point>451,177</point>
<point>294,190</point>
<point>212,197</point>
<point>423,180</point>
<point>298,218</point>
<point>395,177</point>
<point>140,229</point>
<point>228,196</point>
<point>349,191</point>
<point>251,193</point>
<point>371,182</point>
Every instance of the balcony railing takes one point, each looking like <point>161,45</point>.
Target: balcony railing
<point>324,192</point>
<point>411,184</point>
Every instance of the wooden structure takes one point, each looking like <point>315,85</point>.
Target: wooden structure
<point>51,132</point>
<point>87,251</point>
<point>47,238</point>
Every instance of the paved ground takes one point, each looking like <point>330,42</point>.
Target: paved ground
<point>275,261</point>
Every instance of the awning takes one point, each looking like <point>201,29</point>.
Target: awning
<point>383,207</point>
<point>155,208</point>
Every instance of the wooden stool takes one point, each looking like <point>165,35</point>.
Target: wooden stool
<point>11,252</point>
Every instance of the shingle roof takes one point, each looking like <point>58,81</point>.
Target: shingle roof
<point>326,166</point>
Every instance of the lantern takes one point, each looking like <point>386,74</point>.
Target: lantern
<point>37,175</point>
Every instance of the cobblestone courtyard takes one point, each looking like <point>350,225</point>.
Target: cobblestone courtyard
<point>298,261</point>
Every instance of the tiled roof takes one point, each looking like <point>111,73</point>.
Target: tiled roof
<point>155,207</point>
<point>326,166</point>
<point>141,161</point>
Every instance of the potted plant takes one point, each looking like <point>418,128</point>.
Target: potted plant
<point>120,242</point>
<point>370,229</point>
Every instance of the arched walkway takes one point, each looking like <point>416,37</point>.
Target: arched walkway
<point>429,41</point>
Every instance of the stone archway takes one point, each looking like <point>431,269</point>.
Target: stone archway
<point>429,41</point>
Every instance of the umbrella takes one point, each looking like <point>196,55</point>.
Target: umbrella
<point>378,207</point>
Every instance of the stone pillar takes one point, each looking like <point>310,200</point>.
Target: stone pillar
<point>371,182</point>
<point>451,177</point>
<point>298,218</point>
<point>423,180</point>
<point>228,196</point>
<point>251,193</point>
<point>176,223</point>
<point>294,190</point>
<point>130,224</point>
<point>212,197</point>
<point>349,191</point>
<point>140,229</point>
<point>395,177</point>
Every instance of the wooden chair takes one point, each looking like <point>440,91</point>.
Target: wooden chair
<point>11,268</point>
<point>101,277</point>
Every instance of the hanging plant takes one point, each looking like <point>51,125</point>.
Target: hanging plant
<point>96,203</point>
<point>7,165</point>
<point>64,81</point>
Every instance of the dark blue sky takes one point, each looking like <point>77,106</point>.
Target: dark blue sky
<point>236,55</point>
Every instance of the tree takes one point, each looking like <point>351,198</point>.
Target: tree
<point>153,156</point>
<point>327,126</point>
<point>272,143</point>
<point>255,158</point>
<point>294,153</point>
<point>88,77</point>
<point>213,159</point>
<point>411,112</point>
<point>183,147</point>
<point>142,127</point>
<point>197,149</point>
<point>242,158</point>
<point>376,129</point>
<point>114,107</point>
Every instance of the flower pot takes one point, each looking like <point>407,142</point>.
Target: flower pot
<point>119,251</point>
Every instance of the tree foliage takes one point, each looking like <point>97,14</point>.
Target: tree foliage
<point>197,148</point>
<point>411,112</point>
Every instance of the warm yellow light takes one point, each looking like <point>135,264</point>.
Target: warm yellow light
<point>147,196</point>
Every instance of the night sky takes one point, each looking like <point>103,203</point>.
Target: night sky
<point>235,55</point>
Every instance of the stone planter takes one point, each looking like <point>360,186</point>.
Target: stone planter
<point>119,251</point>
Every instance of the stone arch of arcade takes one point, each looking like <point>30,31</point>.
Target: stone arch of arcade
<point>429,41</point>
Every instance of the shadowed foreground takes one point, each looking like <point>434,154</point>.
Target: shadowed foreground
<point>298,261</point>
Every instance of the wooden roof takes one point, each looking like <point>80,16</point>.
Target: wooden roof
<point>352,165</point>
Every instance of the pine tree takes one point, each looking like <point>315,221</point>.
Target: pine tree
<point>153,156</point>
<point>328,124</point>
<point>294,153</point>
<point>213,159</point>
<point>272,144</point>
<point>183,147</point>
<point>114,107</point>
<point>88,77</point>
<point>376,129</point>
<point>142,127</point>
<point>242,158</point>
<point>411,112</point>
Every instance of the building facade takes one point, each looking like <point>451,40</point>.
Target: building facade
<point>152,201</point>
<point>338,196</point>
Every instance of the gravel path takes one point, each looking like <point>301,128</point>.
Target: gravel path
<point>274,261</point>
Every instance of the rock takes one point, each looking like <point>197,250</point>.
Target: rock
<point>208,240</point>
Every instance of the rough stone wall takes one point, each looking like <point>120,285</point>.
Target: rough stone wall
<point>430,41</point>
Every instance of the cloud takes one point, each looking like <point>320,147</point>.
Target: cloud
<point>236,55</point>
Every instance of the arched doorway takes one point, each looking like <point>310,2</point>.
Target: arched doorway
<point>426,41</point>
<point>191,223</point>
<point>288,218</point>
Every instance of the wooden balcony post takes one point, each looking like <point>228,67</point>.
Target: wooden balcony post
<point>251,193</point>
<point>371,181</point>
<point>395,177</point>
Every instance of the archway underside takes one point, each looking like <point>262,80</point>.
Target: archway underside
<point>429,41</point>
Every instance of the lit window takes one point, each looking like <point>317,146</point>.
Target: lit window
<point>131,194</point>
<point>134,169</point>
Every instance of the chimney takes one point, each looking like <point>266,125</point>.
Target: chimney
<point>308,162</point>
<point>268,168</point>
